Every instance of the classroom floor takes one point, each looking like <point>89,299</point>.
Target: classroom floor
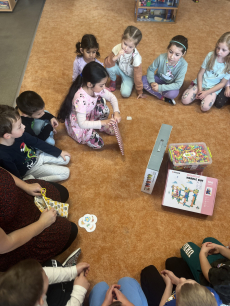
<point>133,229</point>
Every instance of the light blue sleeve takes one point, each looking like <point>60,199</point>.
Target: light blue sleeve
<point>227,77</point>
<point>151,70</point>
<point>205,62</point>
<point>177,82</point>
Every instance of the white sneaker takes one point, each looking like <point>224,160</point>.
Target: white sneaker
<point>72,259</point>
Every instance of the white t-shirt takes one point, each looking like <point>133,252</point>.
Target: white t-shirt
<point>124,62</point>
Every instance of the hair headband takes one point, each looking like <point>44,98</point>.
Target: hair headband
<point>178,43</point>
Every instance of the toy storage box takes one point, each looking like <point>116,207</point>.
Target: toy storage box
<point>156,158</point>
<point>189,156</point>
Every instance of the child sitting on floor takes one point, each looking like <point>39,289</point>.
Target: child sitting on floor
<point>36,120</point>
<point>27,284</point>
<point>18,156</point>
<point>171,68</point>
<point>83,112</point>
<point>125,61</point>
<point>212,77</point>
<point>87,50</point>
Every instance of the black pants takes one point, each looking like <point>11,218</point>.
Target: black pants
<point>58,294</point>
<point>221,100</point>
<point>153,284</point>
<point>64,194</point>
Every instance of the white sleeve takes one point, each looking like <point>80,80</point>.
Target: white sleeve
<point>85,124</point>
<point>59,274</point>
<point>77,296</point>
<point>112,99</point>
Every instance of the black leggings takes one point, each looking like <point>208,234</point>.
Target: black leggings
<point>221,100</point>
<point>153,284</point>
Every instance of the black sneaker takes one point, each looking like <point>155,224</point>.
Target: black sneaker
<point>171,101</point>
<point>72,259</point>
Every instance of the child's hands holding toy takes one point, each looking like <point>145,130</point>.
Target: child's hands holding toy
<point>64,154</point>
<point>154,86</point>
<point>108,121</point>
<point>117,117</point>
<point>227,91</point>
<point>33,189</point>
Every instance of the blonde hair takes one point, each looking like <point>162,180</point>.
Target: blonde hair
<point>133,33</point>
<point>195,295</point>
<point>225,38</point>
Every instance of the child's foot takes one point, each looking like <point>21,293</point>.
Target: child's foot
<point>112,86</point>
<point>72,259</point>
<point>108,130</point>
<point>171,101</point>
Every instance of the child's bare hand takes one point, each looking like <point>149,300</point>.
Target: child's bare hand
<point>154,86</point>
<point>214,248</point>
<point>108,121</point>
<point>121,52</point>
<point>83,266</point>
<point>201,95</point>
<point>227,91</point>
<point>110,295</point>
<point>54,122</point>
<point>205,249</point>
<point>64,154</point>
<point>117,117</point>
<point>48,217</point>
<point>166,279</point>
<point>82,281</point>
<point>143,96</point>
<point>54,131</point>
<point>171,275</point>
<point>33,189</point>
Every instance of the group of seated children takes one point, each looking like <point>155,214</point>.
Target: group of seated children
<point>200,277</point>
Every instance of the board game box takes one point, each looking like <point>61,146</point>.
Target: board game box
<point>191,192</point>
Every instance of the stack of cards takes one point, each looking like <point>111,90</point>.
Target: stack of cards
<point>88,222</point>
<point>118,136</point>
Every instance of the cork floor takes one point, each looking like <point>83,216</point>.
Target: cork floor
<point>133,229</point>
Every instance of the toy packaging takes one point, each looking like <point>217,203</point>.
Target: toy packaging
<point>156,158</point>
<point>190,192</point>
<point>189,156</point>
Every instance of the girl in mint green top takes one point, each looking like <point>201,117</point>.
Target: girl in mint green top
<point>212,77</point>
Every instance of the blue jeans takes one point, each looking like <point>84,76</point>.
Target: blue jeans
<point>129,287</point>
<point>126,81</point>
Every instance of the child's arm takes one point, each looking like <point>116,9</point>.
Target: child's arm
<point>114,102</point>
<point>227,89</point>
<point>204,263</point>
<point>152,69</point>
<point>218,249</point>
<point>200,79</point>
<point>202,94</point>
<point>109,62</point>
<point>137,71</point>
<point>168,289</point>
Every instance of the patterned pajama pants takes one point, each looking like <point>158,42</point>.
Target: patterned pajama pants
<point>190,95</point>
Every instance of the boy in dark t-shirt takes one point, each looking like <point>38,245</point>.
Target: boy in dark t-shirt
<point>17,153</point>
<point>37,121</point>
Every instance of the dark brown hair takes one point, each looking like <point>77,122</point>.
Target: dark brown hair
<point>88,41</point>
<point>195,295</point>
<point>29,102</point>
<point>8,116</point>
<point>22,284</point>
<point>180,42</point>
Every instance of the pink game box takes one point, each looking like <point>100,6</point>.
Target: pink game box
<point>191,192</point>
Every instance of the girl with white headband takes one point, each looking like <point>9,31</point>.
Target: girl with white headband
<point>171,69</point>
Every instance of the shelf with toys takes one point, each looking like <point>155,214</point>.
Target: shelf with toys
<point>7,5</point>
<point>156,10</point>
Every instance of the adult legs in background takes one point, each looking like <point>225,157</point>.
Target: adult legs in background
<point>126,81</point>
<point>153,285</point>
<point>97,294</point>
<point>170,94</point>
<point>221,99</point>
<point>133,292</point>
<point>190,253</point>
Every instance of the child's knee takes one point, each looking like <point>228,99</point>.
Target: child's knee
<point>67,160</point>
<point>65,174</point>
<point>126,93</point>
